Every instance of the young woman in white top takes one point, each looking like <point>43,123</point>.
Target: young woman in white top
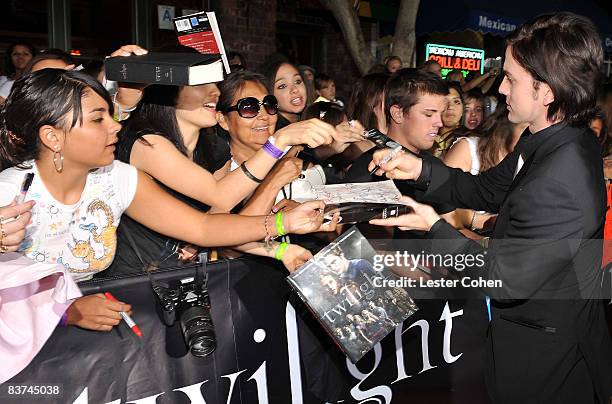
<point>478,152</point>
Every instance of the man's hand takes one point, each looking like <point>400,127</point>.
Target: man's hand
<point>422,217</point>
<point>96,312</point>
<point>404,166</point>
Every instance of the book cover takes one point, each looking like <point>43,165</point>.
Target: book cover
<point>177,69</point>
<point>348,296</point>
<point>201,32</point>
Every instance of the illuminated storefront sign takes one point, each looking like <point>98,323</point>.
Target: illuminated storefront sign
<point>456,58</point>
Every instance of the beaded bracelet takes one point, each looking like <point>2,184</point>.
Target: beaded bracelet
<point>269,235</point>
<point>280,251</point>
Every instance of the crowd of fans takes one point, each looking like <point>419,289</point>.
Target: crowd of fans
<point>244,149</point>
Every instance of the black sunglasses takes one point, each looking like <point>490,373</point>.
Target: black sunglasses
<point>249,107</point>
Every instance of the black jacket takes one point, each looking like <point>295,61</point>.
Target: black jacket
<point>548,341</point>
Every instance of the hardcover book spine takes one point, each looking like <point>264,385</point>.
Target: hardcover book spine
<point>121,70</point>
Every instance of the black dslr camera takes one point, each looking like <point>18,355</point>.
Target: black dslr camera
<point>187,300</point>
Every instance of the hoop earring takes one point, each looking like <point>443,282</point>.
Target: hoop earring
<point>60,159</point>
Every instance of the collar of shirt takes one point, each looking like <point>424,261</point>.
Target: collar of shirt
<point>529,142</point>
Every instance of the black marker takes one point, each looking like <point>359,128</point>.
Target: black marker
<point>27,181</point>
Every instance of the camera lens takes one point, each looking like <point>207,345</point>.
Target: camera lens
<point>198,331</point>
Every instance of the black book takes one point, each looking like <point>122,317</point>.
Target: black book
<point>350,293</point>
<point>358,212</point>
<point>176,69</point>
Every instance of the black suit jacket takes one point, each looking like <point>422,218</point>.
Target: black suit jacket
<point>548,340</point>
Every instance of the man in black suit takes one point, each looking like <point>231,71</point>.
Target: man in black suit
<point>547,341</point>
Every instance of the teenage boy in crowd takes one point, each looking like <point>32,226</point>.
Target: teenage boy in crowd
<point>547,341</point>
<point>414,103</point>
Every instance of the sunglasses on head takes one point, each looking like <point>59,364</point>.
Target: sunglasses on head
<point>249,107</point>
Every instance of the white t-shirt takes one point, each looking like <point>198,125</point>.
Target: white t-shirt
<point>472,142</point>
<point>81,236</point>
<point>5,88</point>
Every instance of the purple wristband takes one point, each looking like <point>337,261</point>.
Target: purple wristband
<point>272,150</point>
<point>64,320</point>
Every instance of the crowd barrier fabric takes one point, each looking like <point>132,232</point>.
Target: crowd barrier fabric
<point>269,350</point>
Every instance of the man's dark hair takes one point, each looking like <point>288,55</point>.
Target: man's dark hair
<point>322,80</point>
<point>564,51</point>
<point>50,54</point>
<point>406,86</point>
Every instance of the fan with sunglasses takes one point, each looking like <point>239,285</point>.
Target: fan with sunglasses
<point>249,107</point>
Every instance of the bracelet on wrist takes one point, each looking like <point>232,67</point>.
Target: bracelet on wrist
<point>280,251</point>
<point>249,174</point>
<point>280,228</point>
<point>271,148</point>
<point>269,235</point>
<point>64,320</point>
<point>472,221</point>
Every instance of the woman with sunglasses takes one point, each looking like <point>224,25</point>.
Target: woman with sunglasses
<point>166,137</point>
<point>249,133</point>
<point>58,125</point>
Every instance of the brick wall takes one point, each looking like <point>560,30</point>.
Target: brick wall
<point>248,27</point>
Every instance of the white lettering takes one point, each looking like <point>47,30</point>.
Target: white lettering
<point>262,383</point>
<point>194,392</point>
<point>447,317</point>
<point>293,352</point>
<point>424,343</point>
<point>399,355</point>
<point>232,378</point>
<point>383,391</point>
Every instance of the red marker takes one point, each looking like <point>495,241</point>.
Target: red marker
<point>126,317</point>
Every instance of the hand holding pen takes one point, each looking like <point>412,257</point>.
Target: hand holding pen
<point>14,218</point>
<point>126,317</point>
<point>387,158</point>
<point>403,166</point>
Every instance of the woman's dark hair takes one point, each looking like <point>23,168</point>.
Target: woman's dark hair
<point>406,86</point>
<point>367,94</point>
<point>328,112</point>
<point>604,138</point>
<point>47,97</point>
<point>50,54</point>
<point>564,51</point>
<point>155,114</point>
<point>240,56</point>
<point>93,68</point>
<point>472,95</point>
<point>270,70</point>
<point>234,83</point>
<point>457,87</point>
<point>8,62</point>
<point>495,135</point>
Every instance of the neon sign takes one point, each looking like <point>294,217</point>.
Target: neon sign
<point>456,58</point>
